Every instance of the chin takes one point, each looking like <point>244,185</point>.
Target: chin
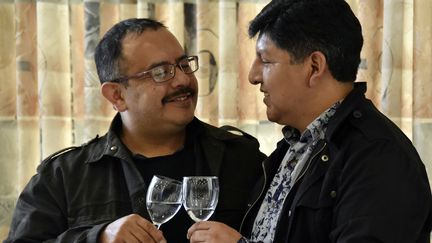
<point>185,119</point>
<point>273,117</point>
<point>270,115</point>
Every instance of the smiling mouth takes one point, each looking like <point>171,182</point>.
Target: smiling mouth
<point>178,97</point>
<point>182,97</point>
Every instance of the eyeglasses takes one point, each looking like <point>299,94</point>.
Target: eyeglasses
<point>165,72</point>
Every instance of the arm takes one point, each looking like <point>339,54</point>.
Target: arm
<point>41,215</point>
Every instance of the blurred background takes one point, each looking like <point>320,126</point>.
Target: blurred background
<point>49,90</point>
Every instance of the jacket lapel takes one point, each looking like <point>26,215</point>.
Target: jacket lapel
<point>318,165</point>
<point>212,153</point>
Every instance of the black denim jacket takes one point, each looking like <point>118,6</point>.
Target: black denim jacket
<point>364,182</point>
<point>78,191</point>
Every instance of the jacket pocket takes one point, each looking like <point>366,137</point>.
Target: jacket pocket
<point>314,214</point>
<point>97,213</point>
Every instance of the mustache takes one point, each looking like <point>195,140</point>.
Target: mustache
<point>178,92</point>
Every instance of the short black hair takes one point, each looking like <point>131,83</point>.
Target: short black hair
<point>303,26</point>
<point>109,50</point>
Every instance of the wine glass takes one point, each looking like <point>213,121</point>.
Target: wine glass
<point>200,196</point>
<point>164,199</point>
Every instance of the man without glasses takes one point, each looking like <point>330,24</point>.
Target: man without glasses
<point>343,171</point>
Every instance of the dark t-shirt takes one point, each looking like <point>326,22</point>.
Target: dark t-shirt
<point>177,165</point>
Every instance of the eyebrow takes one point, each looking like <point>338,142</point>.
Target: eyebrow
<point>166,62</point>
<point>261,53</point>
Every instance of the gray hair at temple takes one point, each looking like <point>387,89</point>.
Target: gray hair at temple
<point>301,27</point>
<point>109,50</point>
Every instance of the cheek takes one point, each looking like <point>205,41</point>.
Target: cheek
<point>266,73</point>
<point>148,96</point>
<point>274,81</point>
<point>194,83</point>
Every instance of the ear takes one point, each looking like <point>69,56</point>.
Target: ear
<point>318,64</point>
<point>113,92</point>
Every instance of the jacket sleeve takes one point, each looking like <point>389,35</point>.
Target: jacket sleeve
<point>41,213</point>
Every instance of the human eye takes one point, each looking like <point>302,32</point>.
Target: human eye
<point>160,73</point>
<point>184,64</point>
<point>263,60</point>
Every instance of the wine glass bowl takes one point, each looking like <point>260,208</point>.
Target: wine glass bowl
<point>163,199</point>
<point>200,196</point>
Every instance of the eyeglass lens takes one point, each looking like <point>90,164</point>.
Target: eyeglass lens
<point>165,72</point>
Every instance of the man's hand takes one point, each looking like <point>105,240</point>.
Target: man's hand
<point>212,232</point>
<point>131,228</point>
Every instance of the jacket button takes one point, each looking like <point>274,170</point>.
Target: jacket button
<point>333,194</point>
<point>324,158</point>
<point>249,205</point>
<point>113,148</point>
<point>357,114</point>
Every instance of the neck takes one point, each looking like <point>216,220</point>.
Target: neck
<point>326,96</point>
<point>153,143</point>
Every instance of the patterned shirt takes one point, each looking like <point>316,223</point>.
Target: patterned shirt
<point>299,152</point>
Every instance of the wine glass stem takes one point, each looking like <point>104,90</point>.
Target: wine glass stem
<point>158,226</point>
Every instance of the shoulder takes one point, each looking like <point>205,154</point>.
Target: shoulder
<point>367,133</point>
<point>227,133</point>
<point>363,121</point>
<point>236,141</point>
<point>69,156</point>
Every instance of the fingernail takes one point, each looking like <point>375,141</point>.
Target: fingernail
<point>187,236</point>
<point>163,241</point>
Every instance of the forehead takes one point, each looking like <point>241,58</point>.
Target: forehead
<point>151,46</point>
<point>265,46</point>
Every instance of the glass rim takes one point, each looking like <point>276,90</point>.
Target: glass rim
<point>167,178</point>
<point>200,177</point>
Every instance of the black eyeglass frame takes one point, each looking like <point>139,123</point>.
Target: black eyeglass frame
<point>170,67</point>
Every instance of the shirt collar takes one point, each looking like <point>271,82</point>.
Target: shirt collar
<point>314,131</point>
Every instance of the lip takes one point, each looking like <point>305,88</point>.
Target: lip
<point>180,97</point>
<point>266,97</point>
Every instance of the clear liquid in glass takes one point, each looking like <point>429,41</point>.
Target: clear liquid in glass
<point>161,212</point>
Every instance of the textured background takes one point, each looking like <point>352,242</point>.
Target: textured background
<point>49,91</point>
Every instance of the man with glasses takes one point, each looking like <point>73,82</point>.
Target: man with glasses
<point>96,192</point>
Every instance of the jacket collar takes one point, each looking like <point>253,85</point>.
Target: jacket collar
<point>347,108</point>
<point>110,144</point>
<point>210,139</point>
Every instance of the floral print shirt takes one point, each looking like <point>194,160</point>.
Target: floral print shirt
<point>299,152</point>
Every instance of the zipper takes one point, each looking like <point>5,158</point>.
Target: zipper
<point>303,172</point>
<point>265,181</point>
<point>309,162</point>
<point>259,196</point>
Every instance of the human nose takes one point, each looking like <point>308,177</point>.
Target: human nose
<point>181,78</point>
<point>255,72</point>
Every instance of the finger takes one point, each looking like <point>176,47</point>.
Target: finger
<point>149,231</point>
<point>200,235</point>
<point>142,236</point>
<point>204,225</point>
<point>128,237</point>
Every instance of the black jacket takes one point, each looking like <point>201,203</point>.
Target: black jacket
<point>77,192</point>
<point>364,182</point>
